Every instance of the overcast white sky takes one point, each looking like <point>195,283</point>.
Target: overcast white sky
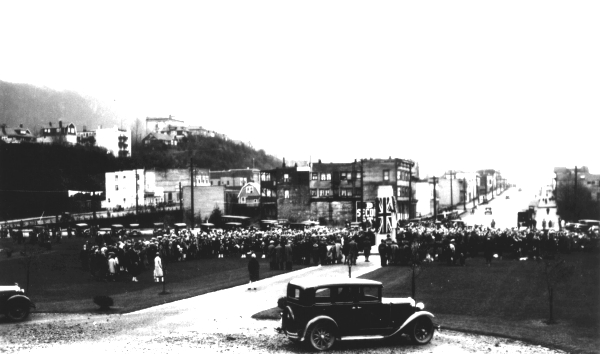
<point>511,85</point>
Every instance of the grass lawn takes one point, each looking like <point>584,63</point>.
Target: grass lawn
<point>509,299</point>
<point>59,284</point>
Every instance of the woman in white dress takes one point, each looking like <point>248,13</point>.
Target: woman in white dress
<point>158,270</point>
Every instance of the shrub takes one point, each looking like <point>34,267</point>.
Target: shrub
<point>105,302</point>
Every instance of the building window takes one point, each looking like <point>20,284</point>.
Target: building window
<point>227,182</point>
<point>116,177</point>
<point>286,194</point>
<point>242,200</point>
<point>315,176</point>
<point>265,176</point>
<point>286,177</point>
<point>324,192</point>
<point>343,176</point>
<point>249,190</point>
<point>357,192</point>
<point>313,192</point>
<point>358,175</point>
<point>219,183</point>
<point>325,176</point>
<point>386,175</point>
<point>346,192</point>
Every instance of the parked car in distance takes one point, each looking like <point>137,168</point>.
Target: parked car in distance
<point>320,311</point>
<point>508,197</point>
<point>14,304</point>
<point>488,210</point>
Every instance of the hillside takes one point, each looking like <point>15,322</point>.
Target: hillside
<point>35,106</point>
<point>206,152</point>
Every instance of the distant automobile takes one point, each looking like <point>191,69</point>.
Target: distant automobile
<point>508,197</point>
<point>488,210</point>
<point>519,189</point>
<point>14,303</point>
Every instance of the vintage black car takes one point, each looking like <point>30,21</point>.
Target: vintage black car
<point>14,303</point>
<point>320,311</point>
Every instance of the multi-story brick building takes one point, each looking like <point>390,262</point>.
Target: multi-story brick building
<point>377,192</point>
<point>585,179</point>
<point>285,194</point>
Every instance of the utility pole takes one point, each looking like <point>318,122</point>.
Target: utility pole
<point>192,189</point>
<point>137,177</point>
<point>410,213</point>
<point>465,193</point>
<point>575,196</point>
<point>434,199</point>
<point>451,192</point>
<point>362,196</point>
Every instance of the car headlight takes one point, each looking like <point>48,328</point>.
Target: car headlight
<point>420,305</point>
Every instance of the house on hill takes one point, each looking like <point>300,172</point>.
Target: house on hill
<point>52,134</point>
<point>16,135</point>
<point>158,124</point>
<point>158,139</point>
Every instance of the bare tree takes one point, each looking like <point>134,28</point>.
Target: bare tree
<point>555,270</point>
<point>30,260</point>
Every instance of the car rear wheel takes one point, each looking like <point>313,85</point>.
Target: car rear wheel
<point>18,311</point>
<point>422,330</point>
<point>321,336</point>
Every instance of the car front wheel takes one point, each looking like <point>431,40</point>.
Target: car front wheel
<point>18,311</point>
<point>422,330</point>
<point>321,336</point>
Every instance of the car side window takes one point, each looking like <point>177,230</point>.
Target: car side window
<point>368,294</point>
<point>323,296</point>
<point>343,294</point>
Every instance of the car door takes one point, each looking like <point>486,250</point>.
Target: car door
<point>373,316</point>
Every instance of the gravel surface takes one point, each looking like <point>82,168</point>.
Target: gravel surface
<point>219,322</point>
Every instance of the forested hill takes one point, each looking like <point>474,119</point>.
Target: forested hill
<point>35,106</point>
<point>206,152</point>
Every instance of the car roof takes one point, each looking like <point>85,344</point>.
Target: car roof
<point>306,283</point>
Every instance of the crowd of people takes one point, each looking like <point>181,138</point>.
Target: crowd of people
<point>115,256</point>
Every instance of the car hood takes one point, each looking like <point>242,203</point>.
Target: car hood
<point>398,300</point>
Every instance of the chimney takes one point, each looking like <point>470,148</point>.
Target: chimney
<point>21,125</point>
<point>50,124</point>
<point>60,123</point>
<point>84,128</point>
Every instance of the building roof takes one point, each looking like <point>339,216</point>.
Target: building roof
<point>251,184</point>
<point>16,132</point>
<point>158,136</point>
<point>312,282</point>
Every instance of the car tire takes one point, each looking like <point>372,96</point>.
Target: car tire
<point>321,336</point>
<point>17,311</point>
<point>421,330</point>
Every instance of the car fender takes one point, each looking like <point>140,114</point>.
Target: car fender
<point>412,318</point>
<point>19,298</point>
<point>315,320</point>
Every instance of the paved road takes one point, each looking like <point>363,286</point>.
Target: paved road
<point>504,211</point>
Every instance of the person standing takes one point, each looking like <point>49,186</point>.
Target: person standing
<point>271,255</point>
<point>158,269</point>
<point>112,267</point>
<point>383,253</point>
<point>253,270</point>
<point>279,256</point>
<point>366,243</point>
<point>493,224</point>
<point>353,251</point>
<point>289,255</point>
<point>134,263</point>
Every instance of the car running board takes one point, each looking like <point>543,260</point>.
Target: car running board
<point>363,337</point>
